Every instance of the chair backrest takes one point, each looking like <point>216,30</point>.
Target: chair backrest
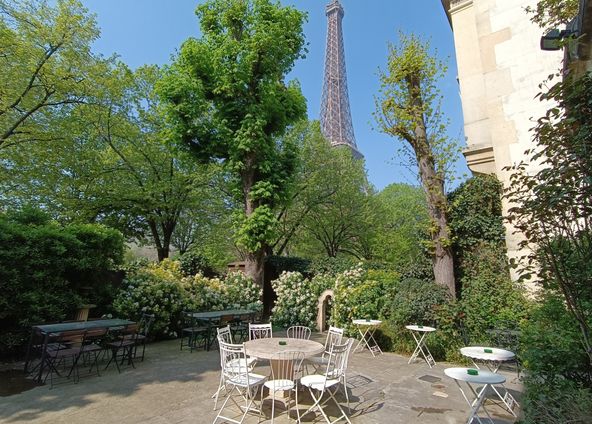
<point>188,319</point>
<point>259,331</point>
<point>334,336</point>
<point>233,360</point>
<point>337,360</point>
<point>94,334</point>
<point>129,333</point>
<point>224,334</point>
<point>299,332</point>
<point>70,339</point>
<point>286,365</point>
<point>145,323</point>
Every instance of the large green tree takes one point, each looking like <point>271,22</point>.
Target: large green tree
<point>402,223</point>
<point>408,108</point>
<point>228,102</point>
<point>46,66</point>
<point>112,164</point>
<point>328,209</point>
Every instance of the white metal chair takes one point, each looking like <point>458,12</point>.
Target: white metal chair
<point>299,332</point>
<point>334,336</point>
<point>329,381</point>
<point>259,331</point>
<point>237,378</point>
<point>225,336</point>
<point>285,372</point>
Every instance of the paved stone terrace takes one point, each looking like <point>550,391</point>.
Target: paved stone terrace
<point>173,386</point>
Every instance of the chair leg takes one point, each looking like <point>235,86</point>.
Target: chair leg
<point>345,390</point>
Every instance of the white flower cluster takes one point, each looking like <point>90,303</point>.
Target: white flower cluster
<point>162,290</point>
<point>297,299</point>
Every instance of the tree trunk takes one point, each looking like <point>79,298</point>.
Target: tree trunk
<point>433,185</point>
<point>255,261</point>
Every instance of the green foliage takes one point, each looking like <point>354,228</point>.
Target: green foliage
<point>226,101</point>
<point>402,224</point>
<point>46,67</point>
<point>330,210</point>
<point>552,207</point>
<point>47,271</point>
<point>489,299</point>
<point>279,264</point>
<point>297,299</point>
<point>423,303</point>
<point>162,289</point>
<point>333,266</point>
<point>192,262</point>
<point>476,213</point>
<point>550,14</point>
<point>559,378</point>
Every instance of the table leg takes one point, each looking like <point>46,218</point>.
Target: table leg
<point>372,344</point>
<point>417,349</point>
<point>362,341</point>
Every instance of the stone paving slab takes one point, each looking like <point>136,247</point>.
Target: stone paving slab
<point>175,387</point>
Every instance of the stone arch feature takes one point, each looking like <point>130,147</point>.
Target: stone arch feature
<point>322,309</point>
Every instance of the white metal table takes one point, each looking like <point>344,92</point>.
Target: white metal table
<point>367,328</point>
<point>486,378</point>
<point>420,341</point>
<point>493,357</point>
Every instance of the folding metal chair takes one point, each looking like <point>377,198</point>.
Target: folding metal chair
<point>66,345</point>
<point>238,381</point>
<point>330,380</point>
<point>334,336</point>
<point>126,345</point>
<point>225,336</point>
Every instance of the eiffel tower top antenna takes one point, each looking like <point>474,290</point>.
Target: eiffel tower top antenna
<point>336,121</point>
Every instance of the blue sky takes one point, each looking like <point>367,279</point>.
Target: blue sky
<point>149,32</point>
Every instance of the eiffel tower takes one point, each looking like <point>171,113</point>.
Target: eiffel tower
<point>336,121</point>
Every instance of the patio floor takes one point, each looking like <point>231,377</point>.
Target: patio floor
<point>173,386</point>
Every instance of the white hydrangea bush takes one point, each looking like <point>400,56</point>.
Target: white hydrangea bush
<point>242,292</point>
<point>153,289</point>
<point>297,299</point>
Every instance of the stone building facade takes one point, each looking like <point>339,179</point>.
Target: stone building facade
<point>500,68</point>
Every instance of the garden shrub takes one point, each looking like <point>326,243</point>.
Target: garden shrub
<point>278,264</point>
<point>418,302</point>
<point>297,298</point>
<point>162,289</point>
<point>559,379</point>
<point>489,299</point>
<point>154,289</point>
<point>193,262</point>
<point>47,271</point>
<point>362,294</point>
<point>333,266</point>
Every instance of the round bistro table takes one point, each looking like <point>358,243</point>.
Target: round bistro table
<point>493,357</point>
<point>266,348</point>
<point>486,378</point>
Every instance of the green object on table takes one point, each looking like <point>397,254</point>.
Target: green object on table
<point>472,371</point>
<point>420,326</point>
<point>367,320</point>
<point>488,350</point>
<point>283,343</point>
